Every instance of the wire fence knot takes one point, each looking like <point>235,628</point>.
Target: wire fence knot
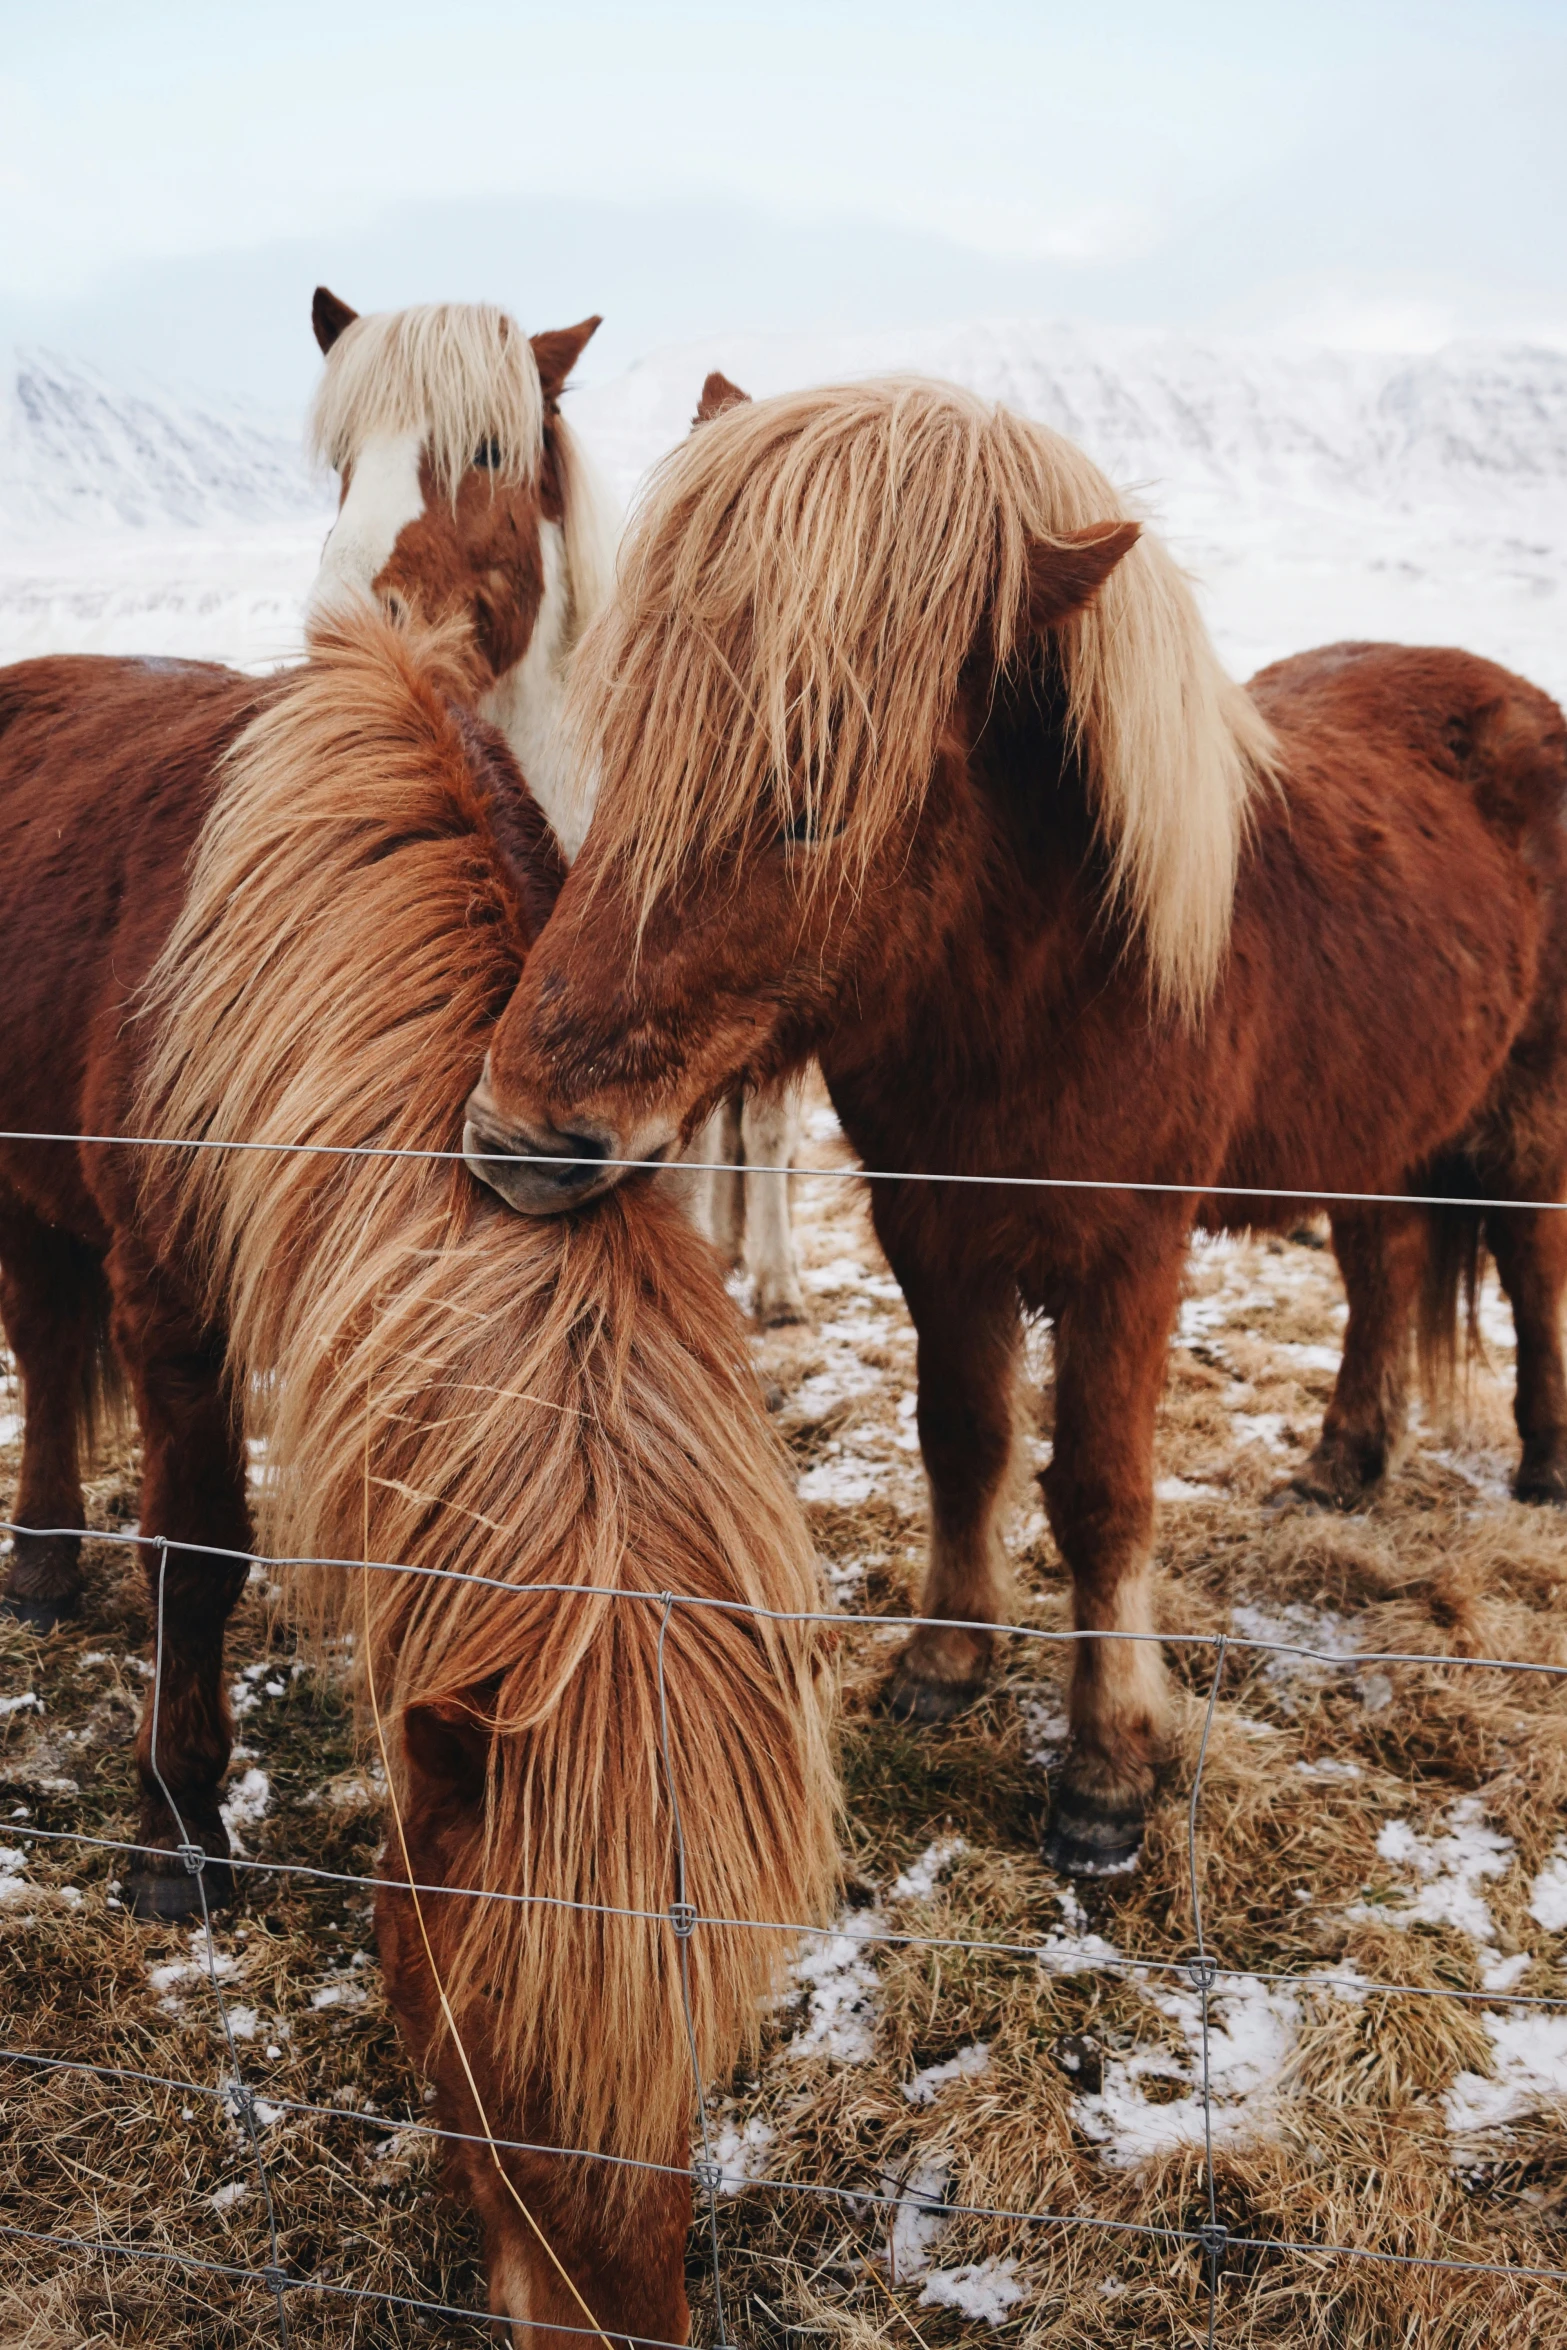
<point>1203,1971</point>
<point>1213,2238</point>
<point>193,1856</point>
<point>683,1917</point>
<point>708,2176</point>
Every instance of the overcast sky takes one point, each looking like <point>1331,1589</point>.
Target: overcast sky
<point>174,176</point>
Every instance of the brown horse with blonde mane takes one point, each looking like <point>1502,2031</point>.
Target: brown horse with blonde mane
<point>916,756</point>
<point>554,1426</point>
<point>465,498</point>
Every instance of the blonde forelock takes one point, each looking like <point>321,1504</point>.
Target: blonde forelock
<point>798,592</point>
<point>460,374</point>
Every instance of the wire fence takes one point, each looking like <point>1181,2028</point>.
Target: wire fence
<point>252,2109</point>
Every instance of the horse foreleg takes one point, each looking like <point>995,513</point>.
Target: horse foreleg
<point>1382,1257</point>
<point>968,1353</point>
<point>193,1494</point>
<point>1112,1343</point>
<point>1530,1248</point>
<point>770,1124</point>
<point>51,1288</point>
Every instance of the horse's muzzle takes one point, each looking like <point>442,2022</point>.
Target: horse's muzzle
<point>542,1173</point>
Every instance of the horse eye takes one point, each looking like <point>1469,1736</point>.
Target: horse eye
<point>488,453</point>
<point>800,830</point>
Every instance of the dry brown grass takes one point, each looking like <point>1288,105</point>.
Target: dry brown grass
<point>1348,2145</point>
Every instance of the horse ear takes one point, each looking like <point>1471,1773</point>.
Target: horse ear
<point>1064,575</point>
<point>556,353</point>
<point>329,316</point>
<point>718,393</point>
<point>448,1742</point>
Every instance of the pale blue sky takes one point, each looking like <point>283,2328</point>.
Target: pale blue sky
<point>1375,171</point>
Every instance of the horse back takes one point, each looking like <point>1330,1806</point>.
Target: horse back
<point>107,769</point>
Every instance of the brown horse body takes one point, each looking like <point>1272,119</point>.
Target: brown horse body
<point>1385,1011</point>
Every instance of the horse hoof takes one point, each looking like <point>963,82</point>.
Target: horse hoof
<point>911,1698</point>
<point>1090,1839</point>
<point>39,1615</point>
<point>170,1900</point>
<point>780,1313</point>
<point>1543,1487</point>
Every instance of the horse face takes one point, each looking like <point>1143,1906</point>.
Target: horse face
<point>494,552</point>
<point>616,2240</point>
<point>608,1053</point>
<point>743,970</point>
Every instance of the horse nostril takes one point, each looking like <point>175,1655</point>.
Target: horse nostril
<point>579,1146</point>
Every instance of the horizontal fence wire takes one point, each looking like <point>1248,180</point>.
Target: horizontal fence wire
<point>1213,2241</point>
<point>1160,1189</point>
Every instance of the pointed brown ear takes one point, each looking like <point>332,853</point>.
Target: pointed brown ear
<point>329,316</point>
<point>1065,575</point>
<point>557,353</point>
<point>718,393</point>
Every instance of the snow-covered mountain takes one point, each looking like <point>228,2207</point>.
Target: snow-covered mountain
<point>1172,411</point>
<point>78,450</point>
<point>1314,494</point>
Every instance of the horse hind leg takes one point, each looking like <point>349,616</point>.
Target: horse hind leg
<point>771,1129</point>
<point>1530,1248</point>
<point>1384,1258</point>
<point>52,1303</point>
<point>193,1493</point>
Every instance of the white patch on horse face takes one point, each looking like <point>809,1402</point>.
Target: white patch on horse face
<point>527,700</point>
<point>383,498</point>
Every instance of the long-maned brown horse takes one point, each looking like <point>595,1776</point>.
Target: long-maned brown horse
<point>916,756</point>
<point>319,928</point>
<point>464,497</point>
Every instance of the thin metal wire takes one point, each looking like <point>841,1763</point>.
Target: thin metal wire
<point>1354,1661</point>
<point>1202,1974</point>
<point>1194,1191</point>
<point>683,1920</point>
<point>195,1859</point>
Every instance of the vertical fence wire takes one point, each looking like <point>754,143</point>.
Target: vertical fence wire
<point>194,1857</point>
<point>684,1919</point>
<point>1203,1973</point>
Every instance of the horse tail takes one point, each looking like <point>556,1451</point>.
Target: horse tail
<point>1443,1334</point>
<point>103,1401</point>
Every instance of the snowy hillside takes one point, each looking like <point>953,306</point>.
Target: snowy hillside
<point>78,450</point>
<point>1314,494</point>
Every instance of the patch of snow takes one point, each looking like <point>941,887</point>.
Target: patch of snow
<point>741,2154</point>
<point>840,2020</point>
<point>1451,1869</point>
<point>845,1483</point>
<point>1179,1489</point>
<point>1072,1950</point>
<point>226,2197</point>
<point>1296,1626</point>
<point>246,1805</point>
<point>243,2022</point>
<point>1548,1896</point>
<point>1529,2060</point>
<point>985,2289</point>
<point>918,2220</point>
<point>1328,1769</point>
<point>342,1993</point>
<point>1252,2029</point>
<point>1500,1974</point>
<point>1047,1731</point>
<point>19,1705</point>
<point>10,1427</point>
<point>918,1881</point>
<point>967,2065</point>
<point>1260,1428</point>
<point>1310,1358</point>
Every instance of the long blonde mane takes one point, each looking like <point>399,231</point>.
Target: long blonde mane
<point>444,1383</point>
<point>798,593</point>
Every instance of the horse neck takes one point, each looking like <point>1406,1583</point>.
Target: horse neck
<point>976,967</point>
<point>527,704</point>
